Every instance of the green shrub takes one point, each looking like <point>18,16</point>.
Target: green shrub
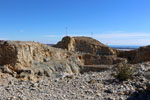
<point>124,71</point>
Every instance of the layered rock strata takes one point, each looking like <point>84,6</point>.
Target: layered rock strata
<point>136,56</point>
<point>86,45</point>
<point>27,58</point>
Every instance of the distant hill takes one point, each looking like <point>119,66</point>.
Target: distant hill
<point>115,46</point>
<point>51,44</point>
<point>124,47</point>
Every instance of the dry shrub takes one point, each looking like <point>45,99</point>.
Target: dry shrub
<point>124,71</point>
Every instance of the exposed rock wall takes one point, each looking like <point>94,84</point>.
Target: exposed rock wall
<point>129,55</point>
<point>86,45</point>
<point>32,59</point>
<point>92,51</point>
<point>97,60</point>
<point>142,55</point>
<point>36,58</point>
<point>136,56</point>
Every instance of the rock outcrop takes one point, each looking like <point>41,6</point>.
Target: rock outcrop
<point>30,58</point>
<point>129,55</point>
<point>86,45</point>
<point>92,51</point>
<point>90,59</point>
<point>142,55</point>
<point>136,56</point>
<point>98,53</point>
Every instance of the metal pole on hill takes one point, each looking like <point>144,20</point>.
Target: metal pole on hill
<point>92,34</point>
<point>66,30</point>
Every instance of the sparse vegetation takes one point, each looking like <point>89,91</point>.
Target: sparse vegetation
<point>124,71</point>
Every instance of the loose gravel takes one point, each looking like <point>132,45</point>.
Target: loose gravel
<point>87,86</point>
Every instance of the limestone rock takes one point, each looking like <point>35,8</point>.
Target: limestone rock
<point>90,59</point>
<point>142,55</point>
<point>136,56</point>
<point>28,58</point>
<point>92,51</point>
<point>129,55</point>
<point>86,45</point>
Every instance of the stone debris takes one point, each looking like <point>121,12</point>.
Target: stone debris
<point>87,86</point>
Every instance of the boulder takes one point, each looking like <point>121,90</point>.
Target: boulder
<point>85,45</point>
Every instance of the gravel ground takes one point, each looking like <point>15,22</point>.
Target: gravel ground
<point>86,86</point>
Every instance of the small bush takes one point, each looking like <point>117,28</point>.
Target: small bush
<point>124,71</point>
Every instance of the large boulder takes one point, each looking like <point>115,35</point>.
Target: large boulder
<point>22,58</point>
<point>86,45</point>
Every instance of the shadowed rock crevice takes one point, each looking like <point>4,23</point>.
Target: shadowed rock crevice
<point>8,54</point>
<point>94,68</point>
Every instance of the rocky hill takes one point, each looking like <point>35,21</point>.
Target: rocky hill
<point>92,51</point>
<point>97,53</point>
<point>86,45</point>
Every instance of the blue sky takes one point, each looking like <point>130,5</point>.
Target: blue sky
<point>113,22</point>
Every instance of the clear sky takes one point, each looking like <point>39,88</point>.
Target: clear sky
<point>113,22</point>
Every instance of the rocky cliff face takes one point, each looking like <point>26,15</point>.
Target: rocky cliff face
<point>136,56</point>
<point>98,53</point>
<point>129,55</point>
<point>86,45</point>
<point>92,51</point>
<point>32,60</point>
<point>37,59</point>
<point>142,55</point>
<point>90,59</point>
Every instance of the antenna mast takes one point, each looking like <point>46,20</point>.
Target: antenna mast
<point>66,30</point>
<point>91,34</point>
